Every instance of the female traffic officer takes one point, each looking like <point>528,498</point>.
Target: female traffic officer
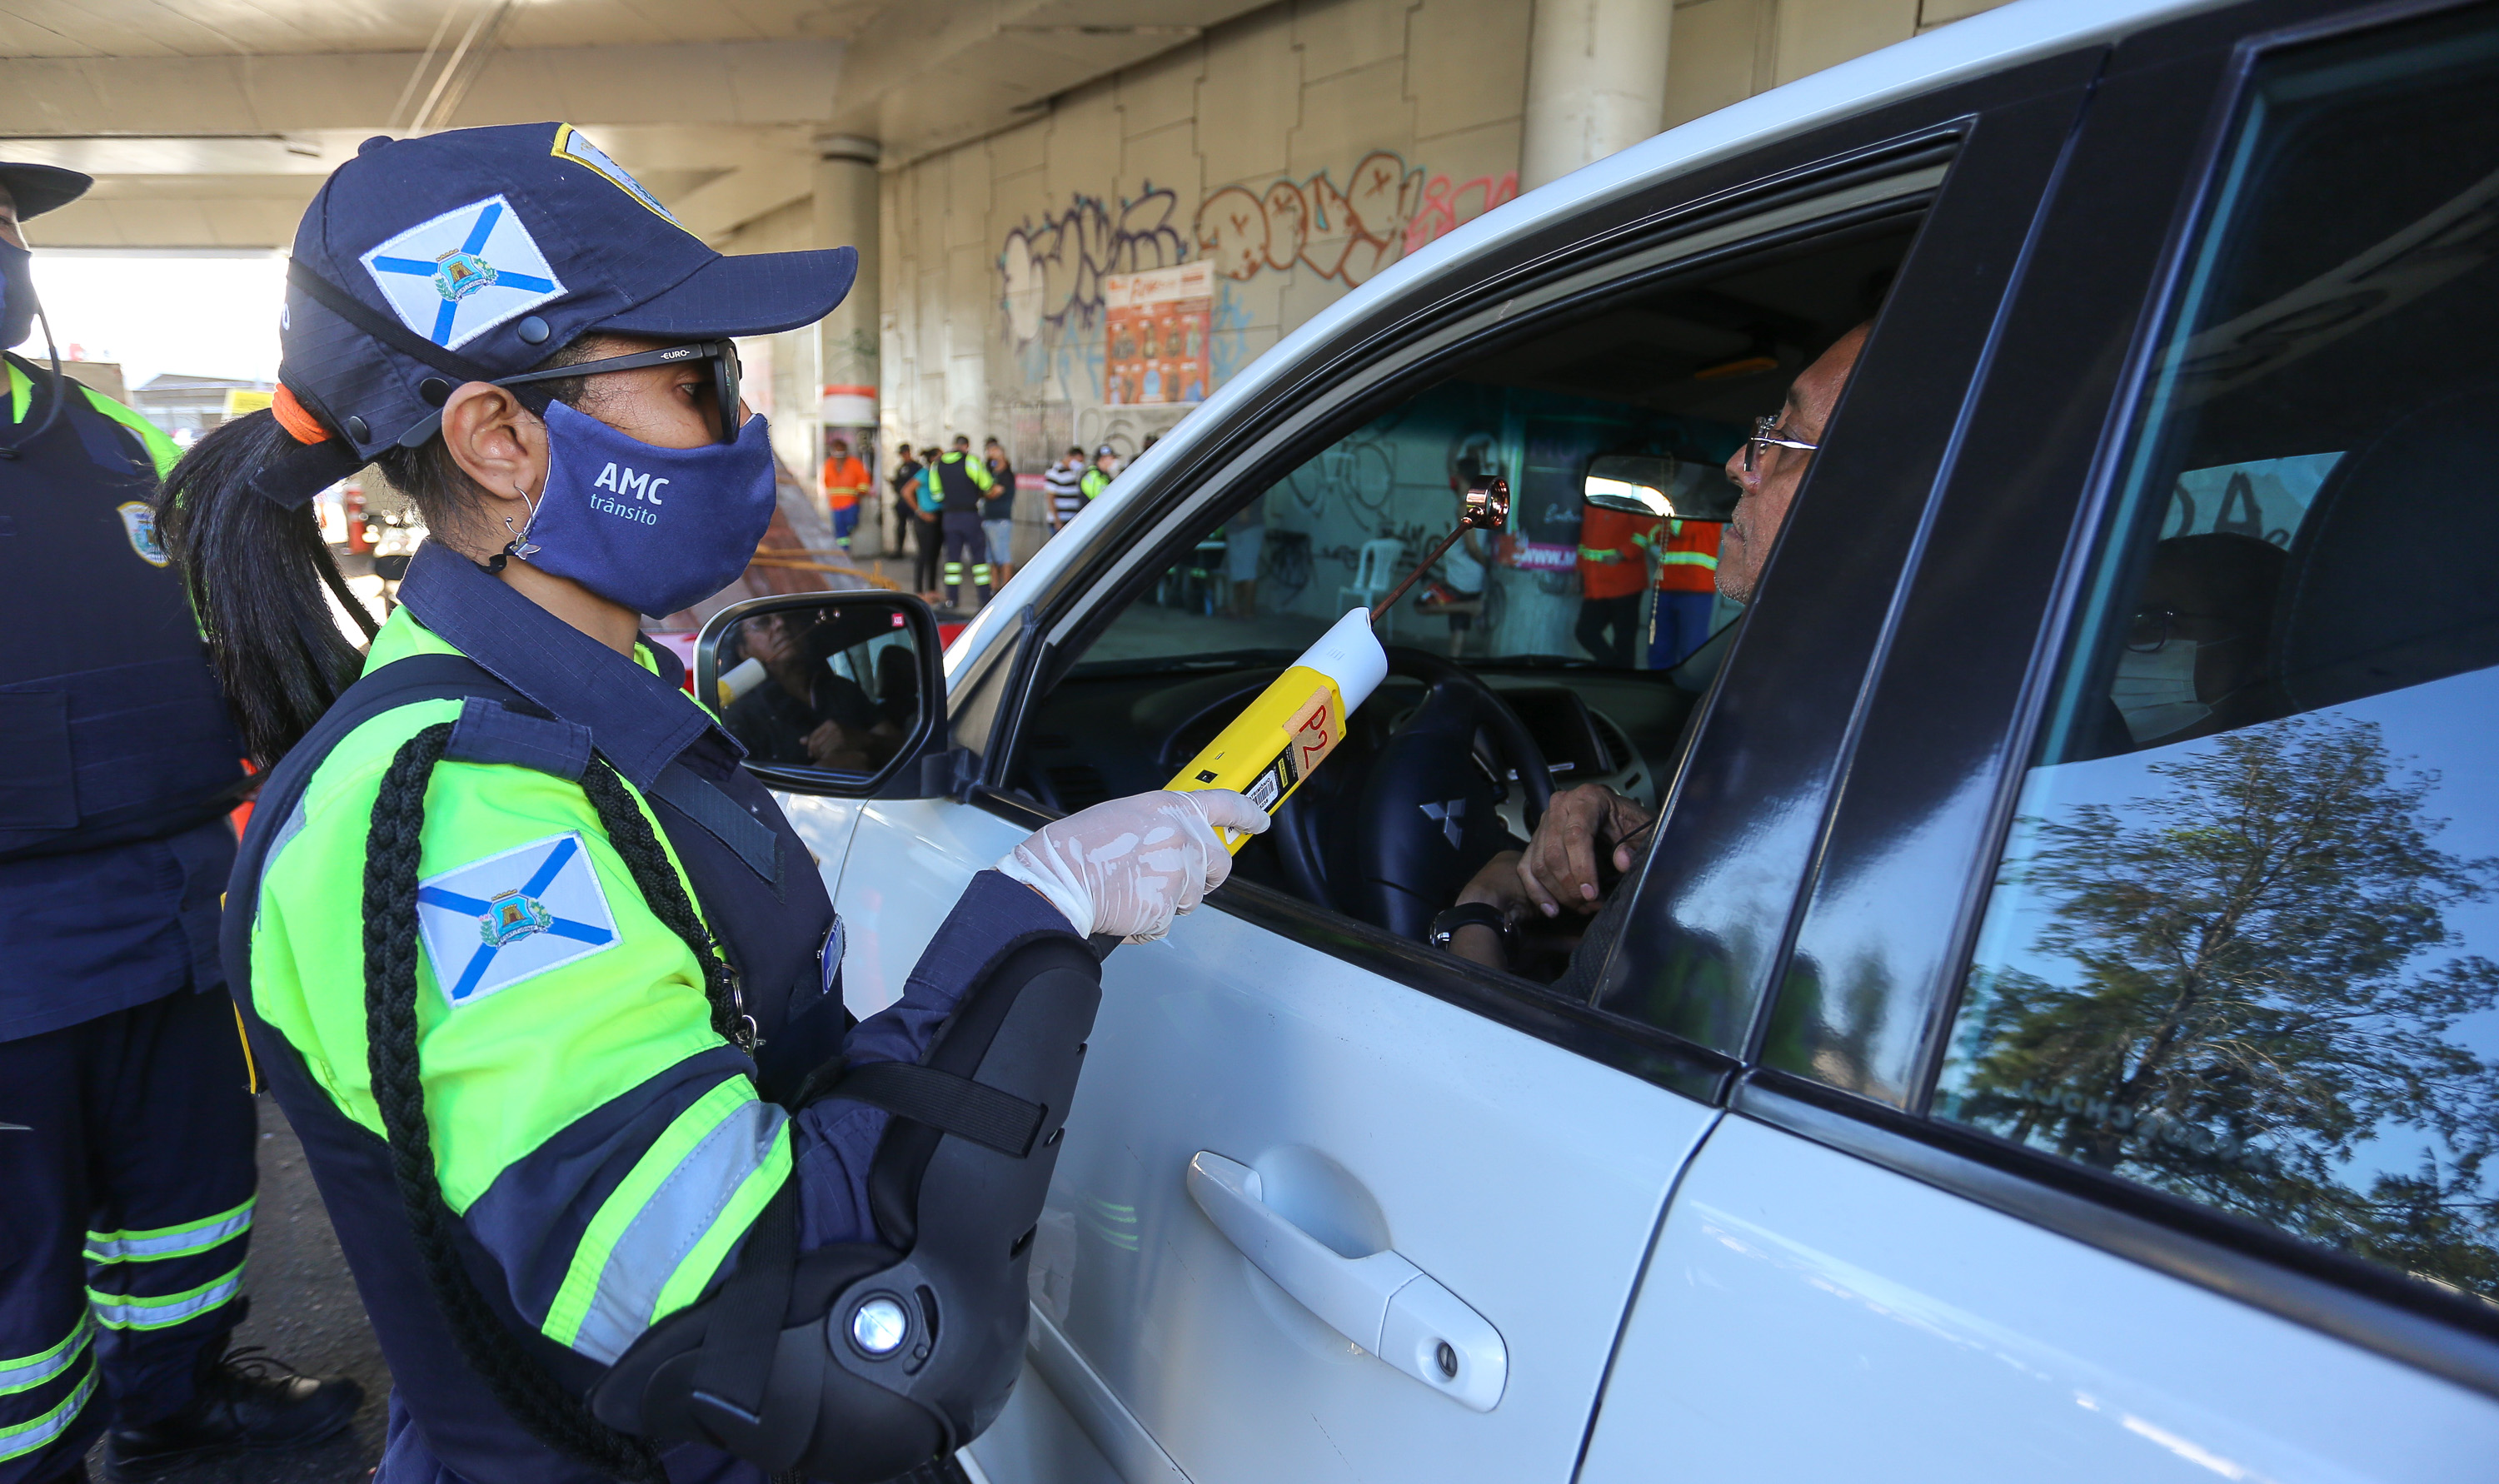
<point>522,948</point>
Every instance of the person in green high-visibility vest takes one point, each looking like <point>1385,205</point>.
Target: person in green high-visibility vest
<point>960,484</point>
<point>1097,478</point>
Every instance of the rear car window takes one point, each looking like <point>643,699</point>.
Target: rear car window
<point>2239,946</point>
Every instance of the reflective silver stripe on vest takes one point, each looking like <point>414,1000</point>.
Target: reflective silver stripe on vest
<point>29,1372</point>
<point>675,1217</point>
<point>169,1240</point>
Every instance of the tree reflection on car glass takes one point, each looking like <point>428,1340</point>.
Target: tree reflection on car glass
<point>2238,946</point>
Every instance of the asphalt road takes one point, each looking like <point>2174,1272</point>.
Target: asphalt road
<point>304,1311</point>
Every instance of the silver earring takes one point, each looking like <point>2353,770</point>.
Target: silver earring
<point>519,545</point>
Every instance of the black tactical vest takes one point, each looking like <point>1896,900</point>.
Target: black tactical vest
<point>111,727</point>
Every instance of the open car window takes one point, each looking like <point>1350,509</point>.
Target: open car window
<point>1597,630</point>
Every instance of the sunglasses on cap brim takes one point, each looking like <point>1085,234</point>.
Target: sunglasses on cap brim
<point>722,354</point>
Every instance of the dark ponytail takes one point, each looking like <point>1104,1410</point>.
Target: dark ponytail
<point>261,579</point>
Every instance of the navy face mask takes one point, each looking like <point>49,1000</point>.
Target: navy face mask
<point>654,529</point>
<point>16,294</point>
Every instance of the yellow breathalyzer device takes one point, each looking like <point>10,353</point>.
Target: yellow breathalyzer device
<point>1294,724</point>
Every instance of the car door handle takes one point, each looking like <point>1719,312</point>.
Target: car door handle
<point>1382,1302</point>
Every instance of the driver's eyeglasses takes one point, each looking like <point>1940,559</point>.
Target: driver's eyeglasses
<point>1767,435</point>
<point>722,354</point>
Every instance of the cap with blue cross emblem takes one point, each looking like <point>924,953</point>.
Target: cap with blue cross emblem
<point>478,253</point>
<point>494,923</point>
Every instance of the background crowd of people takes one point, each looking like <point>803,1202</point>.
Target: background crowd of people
<point>954,512</point>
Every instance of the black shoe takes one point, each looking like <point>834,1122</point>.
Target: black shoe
<point>246,1400</point>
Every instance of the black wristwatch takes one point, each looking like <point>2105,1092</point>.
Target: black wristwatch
<point>1468,915</point>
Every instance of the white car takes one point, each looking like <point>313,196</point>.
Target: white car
<point>2047,1035</point>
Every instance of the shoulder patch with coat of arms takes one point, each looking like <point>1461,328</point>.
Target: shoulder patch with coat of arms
<point>494,923</point>
<point>139,524</point>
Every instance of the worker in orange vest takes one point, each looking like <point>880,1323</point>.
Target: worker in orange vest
<point>1685,554</point>
<point>845,481</point>
<point>1614,571</point>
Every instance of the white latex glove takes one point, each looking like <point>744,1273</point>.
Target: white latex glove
<point>1128,867</point>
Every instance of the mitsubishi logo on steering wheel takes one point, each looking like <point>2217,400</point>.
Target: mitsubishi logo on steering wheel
<point>1450,816</point>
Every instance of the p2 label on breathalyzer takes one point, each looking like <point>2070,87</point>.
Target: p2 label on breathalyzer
<point>1310,735</point>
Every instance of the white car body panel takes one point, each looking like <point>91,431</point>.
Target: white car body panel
<point>1378,1118</point>
<point>1808,1315</point>
<point>1385,1115</point>
<point>1802,1314</point>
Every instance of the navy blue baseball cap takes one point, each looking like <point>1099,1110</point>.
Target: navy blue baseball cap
<point>38,188</point>
<point>476,254</point>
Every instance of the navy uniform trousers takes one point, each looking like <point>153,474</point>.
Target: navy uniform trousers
<point>126,1144</point>
<point>964,538</point>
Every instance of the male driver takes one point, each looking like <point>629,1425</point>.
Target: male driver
<point>1558,870</point>
<point>845,485</point>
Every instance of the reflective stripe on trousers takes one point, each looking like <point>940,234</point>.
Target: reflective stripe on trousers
<point>169,1240</point>
<point>137,1311</point>
<point>36,1432</point>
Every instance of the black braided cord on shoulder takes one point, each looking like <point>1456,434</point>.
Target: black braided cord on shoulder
<point>392,849</point>
<point>631,833</point>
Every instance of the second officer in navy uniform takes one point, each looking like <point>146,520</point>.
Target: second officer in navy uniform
<point>126,1129</point>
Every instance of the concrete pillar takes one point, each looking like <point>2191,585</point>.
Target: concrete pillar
<point>846,204</point>
<point>1596,83</point>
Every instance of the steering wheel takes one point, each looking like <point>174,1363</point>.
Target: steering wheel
<point>1394,847</point>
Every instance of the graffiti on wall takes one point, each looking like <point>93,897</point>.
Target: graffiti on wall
<point>1347,233</point>
<point>1228,336</point>
<point>1050,272</point>
<point>1445,205</point>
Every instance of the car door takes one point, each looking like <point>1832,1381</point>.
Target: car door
<point>1279,1089</point>
<point>2122,1109</point>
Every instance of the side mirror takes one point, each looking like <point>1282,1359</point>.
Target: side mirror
<point>1654,485</point>
<point>839,694</point>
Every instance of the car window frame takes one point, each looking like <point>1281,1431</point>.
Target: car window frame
<point>1791,189</point>
<point>2172,101</point>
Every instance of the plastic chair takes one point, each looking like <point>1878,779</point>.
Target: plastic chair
<point>1375,571</point>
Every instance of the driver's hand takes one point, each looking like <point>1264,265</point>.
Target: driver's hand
<point>1560,867</point>
<point>828,743</point>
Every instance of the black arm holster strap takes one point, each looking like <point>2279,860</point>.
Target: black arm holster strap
<point>732,1371</point>
<point>709,805</point>
<point>945,1102</point>
<point>886,1354</point>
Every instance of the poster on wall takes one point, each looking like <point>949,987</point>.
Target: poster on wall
<point>1158,325</point>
